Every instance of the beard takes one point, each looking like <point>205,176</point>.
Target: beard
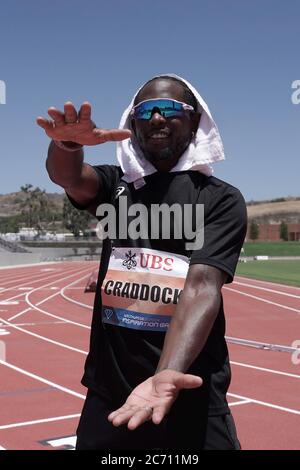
<point>159,156</point>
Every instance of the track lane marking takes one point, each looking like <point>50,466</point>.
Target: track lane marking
<point>43,338</point>
<point>35,306</point>
<point>264,369</point>
<point>69,299</point>
<point>263,300</point>
<point>285,286</point>
<point>38,280</point>
<point>235,403</point>
<point>264,403</point>
<point>266,289</point>
<point>43,380</point>
<point>39,421</point>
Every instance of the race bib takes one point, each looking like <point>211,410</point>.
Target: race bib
<point>142,287</point>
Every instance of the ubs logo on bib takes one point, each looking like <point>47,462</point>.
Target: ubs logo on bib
<point>130,260</point>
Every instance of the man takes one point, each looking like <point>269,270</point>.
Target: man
<point>158,368</point>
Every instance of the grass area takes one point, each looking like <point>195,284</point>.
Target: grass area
<point>284,272</point>
<point>272,248</point>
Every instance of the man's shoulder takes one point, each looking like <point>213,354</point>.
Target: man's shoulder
<point>215,186</point>
<point>113,170</point>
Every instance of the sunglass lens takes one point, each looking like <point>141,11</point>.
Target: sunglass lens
<point>166,108</point>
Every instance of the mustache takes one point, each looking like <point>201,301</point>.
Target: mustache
<point>165,132</point>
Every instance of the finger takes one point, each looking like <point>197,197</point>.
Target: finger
<point>70,113</point>
<point>85,112</point>
<point>115,413</point>
<point>44,123</point>
<point>111,135</point>
<point>188,381</point>
<point>158,414</point>
<point>139,418</point>
<point>123,418</point>
<point>57,116</point>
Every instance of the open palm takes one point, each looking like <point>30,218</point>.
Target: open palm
<point>78,127</point>
<point>153,398</point>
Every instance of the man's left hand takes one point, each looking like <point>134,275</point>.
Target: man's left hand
<point>153,398</point>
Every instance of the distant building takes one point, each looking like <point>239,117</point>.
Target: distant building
<point>271,232</point>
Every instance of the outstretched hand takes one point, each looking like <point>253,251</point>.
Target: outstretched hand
<point>78,127</point>
<point>153,398</point>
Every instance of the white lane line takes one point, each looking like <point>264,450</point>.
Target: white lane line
<point>260,344</point>
<point>69,299</point>
<point>266,289</point>
<point>259,281</point>
<point>35,307</point>
<point>263,300</point>
<point>20,313</point>
<point>2,351</point>
<point>3,332</point>
<point>2,448</point>
<point>44,338</point>
<point>37,323</point>
<point>77,288</point>
<point>264,403</point>
<point>39,421</point>
<point>51,276</point>
<point>32,265</point>
<point>263,369</point>
<point>234,403</point>
<point>34,277</point>
<point>9,302</point>
<point>43,380</point>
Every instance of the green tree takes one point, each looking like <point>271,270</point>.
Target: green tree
<point>284,231</point>
<point>74,220</point>
<point>10,224</point>
<point>37,211</point>
<point>254,231</point>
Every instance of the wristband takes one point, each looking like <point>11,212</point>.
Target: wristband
<point>62,145</point>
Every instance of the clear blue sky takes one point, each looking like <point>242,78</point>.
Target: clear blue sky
<point>241,55</point>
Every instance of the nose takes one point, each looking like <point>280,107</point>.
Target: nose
<point>157,119</point>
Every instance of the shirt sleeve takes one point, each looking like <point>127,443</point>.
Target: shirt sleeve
<point>109,176</point>
<point>225,226</point>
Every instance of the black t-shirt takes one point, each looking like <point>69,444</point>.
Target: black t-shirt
<point>140,287</point>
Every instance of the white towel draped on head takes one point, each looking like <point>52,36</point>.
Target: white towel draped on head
<point>205,148</point>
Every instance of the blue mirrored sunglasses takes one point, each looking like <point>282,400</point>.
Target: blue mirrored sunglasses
<point>166,107</point>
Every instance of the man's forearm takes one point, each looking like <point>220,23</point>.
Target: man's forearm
<point>189,329</point>
<point>64,168</point>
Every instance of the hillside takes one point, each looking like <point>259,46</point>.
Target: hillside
<point>275,212</point>
<point>287,209</point>
<point>11,204</point>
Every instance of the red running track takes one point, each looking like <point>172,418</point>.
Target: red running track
<point>44,335</point>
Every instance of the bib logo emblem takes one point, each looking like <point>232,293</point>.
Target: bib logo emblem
<point>108,313</point>
<point>130,261</point>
